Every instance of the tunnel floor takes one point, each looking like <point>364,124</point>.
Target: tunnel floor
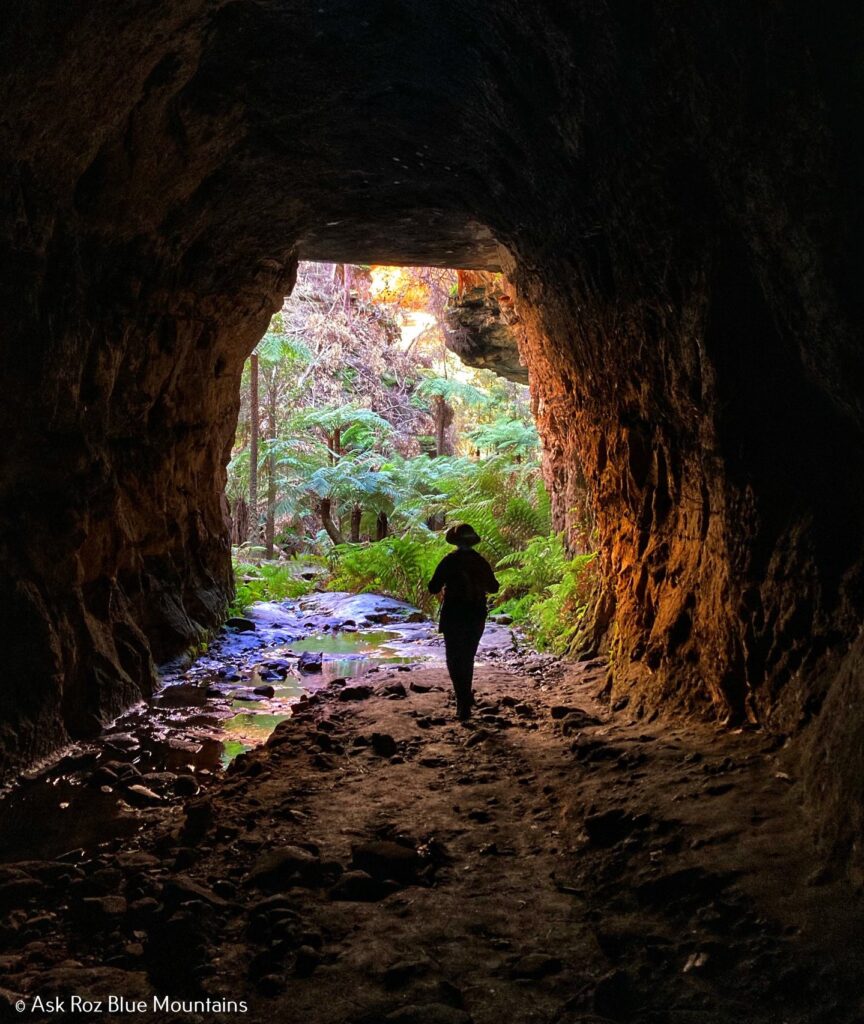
<point>550,861</point>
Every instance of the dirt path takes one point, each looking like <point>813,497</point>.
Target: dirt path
<point>376,861</point>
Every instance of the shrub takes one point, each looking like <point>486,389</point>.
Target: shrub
<point>265,583</point>
<point>398,566</point>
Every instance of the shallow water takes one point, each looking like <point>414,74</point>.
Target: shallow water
<point>202,719</point>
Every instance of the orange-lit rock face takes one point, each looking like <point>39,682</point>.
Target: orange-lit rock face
<point>677,193</point>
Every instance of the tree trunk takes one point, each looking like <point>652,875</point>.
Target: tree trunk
<point>270,528</point>
<point>253,449</point>
<point>356,516</point>
<point>382,526</point>
<point>443,415</point>
<point>239,521</point>
<point>325,510</point>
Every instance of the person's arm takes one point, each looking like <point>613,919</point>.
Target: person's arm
<point>492,584</point>
<point>439,578</point>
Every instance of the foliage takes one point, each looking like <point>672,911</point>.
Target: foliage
<point>506,435</point>
<point>547,592</point>
<point>398,566</point>
<point>265,582</point>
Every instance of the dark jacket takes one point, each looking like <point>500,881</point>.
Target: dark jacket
<point>466,579</point>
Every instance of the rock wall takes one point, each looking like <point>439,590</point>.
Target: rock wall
<point>674,191</point>
<point>482,326</point>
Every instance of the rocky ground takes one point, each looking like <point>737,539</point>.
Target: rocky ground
<point>551,861</point>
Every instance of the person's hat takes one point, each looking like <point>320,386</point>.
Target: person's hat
<point>463,534</point>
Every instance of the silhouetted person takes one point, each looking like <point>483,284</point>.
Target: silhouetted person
<point>466,578</point>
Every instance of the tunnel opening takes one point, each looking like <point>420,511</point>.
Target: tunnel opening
<point>363,437</point>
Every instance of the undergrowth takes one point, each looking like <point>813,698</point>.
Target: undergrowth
<point>543,589</point>
<point>254,582</point>
<point>400,567</point>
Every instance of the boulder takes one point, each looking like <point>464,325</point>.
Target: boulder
<point>310,661</point>
<point>360,887</point>
<point>383,744</point>
<point>240,624</point>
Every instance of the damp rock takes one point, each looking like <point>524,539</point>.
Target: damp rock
<point>241,624</point>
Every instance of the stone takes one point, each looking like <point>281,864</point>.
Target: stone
<point>383,859</point>
<point>310,661</point>
<point>142,795</point>
<point>186,785</point>
<point>360,887</point>
<point>306,960</point>
<point>394,690</point>
<point>136,862</point>
<point>356,691</point>
<point>264,691</point>
<point>241,624</point>
<point>101,912</point>
<point>182,889</point>
<point>271,985</point>
<point>16,892</point>
<point>559,711</point>
<point>284,866</point>
<point>383,744</point>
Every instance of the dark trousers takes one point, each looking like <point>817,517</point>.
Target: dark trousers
<point>461,639</point>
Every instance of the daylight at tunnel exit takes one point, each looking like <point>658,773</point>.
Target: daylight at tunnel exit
<point>431,512</point>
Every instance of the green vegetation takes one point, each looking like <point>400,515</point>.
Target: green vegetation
<point>370,438</point>
<point>265,582</point>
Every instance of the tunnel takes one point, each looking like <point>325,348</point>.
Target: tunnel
<point>673,191</point>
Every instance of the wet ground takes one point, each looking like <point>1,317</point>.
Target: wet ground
<point>229,701</point>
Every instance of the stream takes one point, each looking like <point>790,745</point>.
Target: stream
<point>230,700</point>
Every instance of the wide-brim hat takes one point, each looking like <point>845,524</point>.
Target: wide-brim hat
<point>462,534</point>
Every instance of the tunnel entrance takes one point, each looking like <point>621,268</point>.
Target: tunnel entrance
<point>362,437</point>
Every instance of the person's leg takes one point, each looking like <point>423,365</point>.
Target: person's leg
<point>460,665</point>
<point>472,642</point>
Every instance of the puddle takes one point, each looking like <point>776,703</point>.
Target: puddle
<point>346,642</point>
<point>346,655</point>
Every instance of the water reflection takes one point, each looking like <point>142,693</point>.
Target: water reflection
<point>198,723</point>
